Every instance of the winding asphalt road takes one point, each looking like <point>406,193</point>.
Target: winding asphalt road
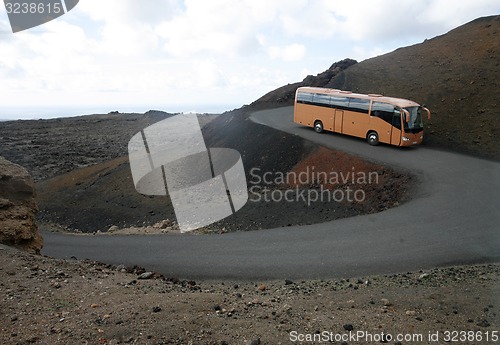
<point>454,219</point>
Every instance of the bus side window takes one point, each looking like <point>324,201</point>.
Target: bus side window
<point>359,105</point>
<point>384,111</point>
<point>304,97</point>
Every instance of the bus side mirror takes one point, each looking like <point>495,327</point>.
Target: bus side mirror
<point>428,113</point>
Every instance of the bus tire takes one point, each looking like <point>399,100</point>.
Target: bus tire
<point>318,126</point>
<point>372,138</point>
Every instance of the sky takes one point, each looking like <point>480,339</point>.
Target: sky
<point>199,55</point>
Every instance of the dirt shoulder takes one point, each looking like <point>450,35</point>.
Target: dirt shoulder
<point>52,301</point>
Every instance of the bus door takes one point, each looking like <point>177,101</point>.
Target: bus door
<point>338,119</point>
<point>382,115</point>
<point>396,127</point>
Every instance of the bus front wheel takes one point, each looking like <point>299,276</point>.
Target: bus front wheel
<point>318,126</point>
<point>372,138</point>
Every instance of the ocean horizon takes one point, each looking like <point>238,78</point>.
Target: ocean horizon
<point>36,113</point>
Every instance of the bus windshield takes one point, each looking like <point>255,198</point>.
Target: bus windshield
<point>415,123</point>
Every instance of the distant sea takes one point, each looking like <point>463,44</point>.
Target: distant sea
<point>34,113</point>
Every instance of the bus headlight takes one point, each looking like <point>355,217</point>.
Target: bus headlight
<point>406,139</point>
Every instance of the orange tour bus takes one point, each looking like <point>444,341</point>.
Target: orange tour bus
<point>376,118</point>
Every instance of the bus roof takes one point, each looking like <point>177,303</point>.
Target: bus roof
<point>400,102</point>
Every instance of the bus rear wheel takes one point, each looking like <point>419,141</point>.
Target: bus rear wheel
<point>372,138</point>
<point>318,126</point>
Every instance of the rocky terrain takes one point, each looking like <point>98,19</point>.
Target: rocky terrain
<point>41,303</point>
<point>18,208</point>
<point>52,147</point>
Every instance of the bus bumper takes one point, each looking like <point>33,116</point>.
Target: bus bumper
<point>410,139</point>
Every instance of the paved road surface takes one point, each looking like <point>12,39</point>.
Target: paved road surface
<point>454,219</point>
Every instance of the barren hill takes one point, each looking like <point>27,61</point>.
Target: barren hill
<point>455,75</point>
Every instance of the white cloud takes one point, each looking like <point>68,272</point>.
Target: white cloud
<point>311,19</point>
<point>218,26</point>
<point>381,20</point>
<point>447,14</point>
<point>206,74</point>
<point>292,52</point>
<point>129,11</point>
<point>361,53</point>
